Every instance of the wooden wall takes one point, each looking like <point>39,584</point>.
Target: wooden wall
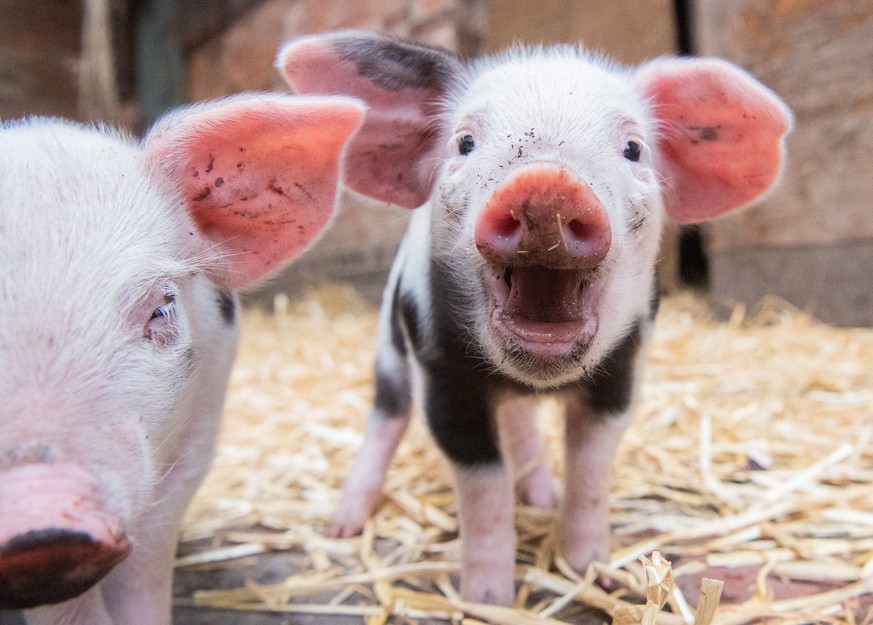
<point>811,240</point>
<point>627,30</point>
<point>39,51</point>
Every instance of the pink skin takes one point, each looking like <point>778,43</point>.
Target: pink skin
<point>724,135</point>
<point>241,201</point>
<point>590,444</point>
<point>573,218</point>
<point>550,229</point>
<point>485,506</point>
<point>56,496</point>
<point>401,167</point>
<point>363,487</point>
<point>542,215</point>
<point>56,523</point>
<point>528,458</point>
<point>134,298</point>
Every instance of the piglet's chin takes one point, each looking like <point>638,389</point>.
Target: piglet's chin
<point>543,316</point>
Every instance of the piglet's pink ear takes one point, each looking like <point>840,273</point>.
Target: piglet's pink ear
<point>258,174</point>
<point>394,156</point>
<point>721,142</point>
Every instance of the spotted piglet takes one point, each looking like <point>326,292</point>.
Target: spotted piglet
<point>541,179</point>
<point>118,327</point>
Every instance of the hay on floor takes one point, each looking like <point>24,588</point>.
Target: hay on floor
<point>750,451</point>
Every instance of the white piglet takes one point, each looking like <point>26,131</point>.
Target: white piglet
<point>541,178</point>
<point>118,327</point>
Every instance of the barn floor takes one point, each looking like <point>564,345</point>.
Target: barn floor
<point>749,462</point>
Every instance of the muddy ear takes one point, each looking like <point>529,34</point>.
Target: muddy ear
<point>257,174</point>
<point>394,156</point>
<point>721,135</point>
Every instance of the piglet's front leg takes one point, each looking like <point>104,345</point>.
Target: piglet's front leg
<point>597,413</point>
<point>526,452</point>
<point>485,508</point>
<point>363,487</point>
<point>590,445</point>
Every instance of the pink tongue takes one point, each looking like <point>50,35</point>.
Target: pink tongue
<point>545,295</point>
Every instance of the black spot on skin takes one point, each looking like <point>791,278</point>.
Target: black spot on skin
<point>393,392</point>
<point>395,64</point>
<point>393,389</point>
<point>638,218</point>
<point>210,164</point>
<point>704,133</point>
<point>226,306</point>
<point>275,188</point>
<point>203,195</point>
<point>610,387</point>
<point>304,191</point>
<point>218,182</point>
<point>398,341</point>
<point>709,133</point>
<point>189,364</point>
<point>458,389</point>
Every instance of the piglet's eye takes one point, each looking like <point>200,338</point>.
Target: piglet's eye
<point>466,144</point>
<point>160,326</point>
<point>165,310</point>
<point>633,150</point>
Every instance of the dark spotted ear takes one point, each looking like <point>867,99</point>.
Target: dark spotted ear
<point>722,135</point>
<point>394,155</point>
<point>258,174</point>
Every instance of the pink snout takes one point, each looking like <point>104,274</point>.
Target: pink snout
<point>56,537</point>
<point>542,215</point>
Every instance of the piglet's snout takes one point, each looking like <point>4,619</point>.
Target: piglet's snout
<point>56,538</point>
<point>543,215</point>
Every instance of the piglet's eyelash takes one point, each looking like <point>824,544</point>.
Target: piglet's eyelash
<point>165,310</point>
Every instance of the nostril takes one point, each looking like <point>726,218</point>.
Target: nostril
<point>582,230</point>
<point>542,214</point>
<point>505,226</point>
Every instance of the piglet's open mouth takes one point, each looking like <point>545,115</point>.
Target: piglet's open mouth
<point>547,312</point>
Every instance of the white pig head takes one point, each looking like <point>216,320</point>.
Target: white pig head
<point>545,174</point>
<point>118,266</point>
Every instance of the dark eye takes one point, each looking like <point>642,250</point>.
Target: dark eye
<point>466,144</point>
<point>633,150</point>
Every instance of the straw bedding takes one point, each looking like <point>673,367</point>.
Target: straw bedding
<point>749,461</point>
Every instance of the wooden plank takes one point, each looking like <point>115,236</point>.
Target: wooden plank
<point>39,51</point>
<point>627,30</point>
<point>832,282</point>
